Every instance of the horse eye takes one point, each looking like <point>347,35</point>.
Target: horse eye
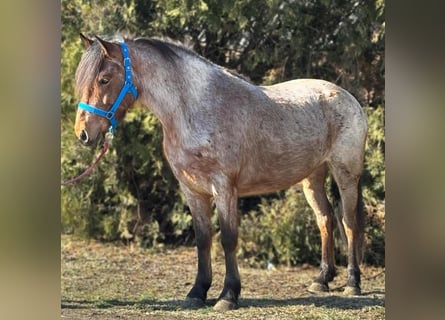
<point>104,81</point>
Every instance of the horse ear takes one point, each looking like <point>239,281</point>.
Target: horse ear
<point>86,41</point>
<point>109,49</point>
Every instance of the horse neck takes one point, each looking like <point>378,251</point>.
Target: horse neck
<point>170,92</point>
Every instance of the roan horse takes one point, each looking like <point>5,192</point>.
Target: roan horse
<point>226,138</point>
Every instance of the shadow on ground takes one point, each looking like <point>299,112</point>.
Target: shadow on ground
<point>331,301</point>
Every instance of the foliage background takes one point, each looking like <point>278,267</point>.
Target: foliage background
<point>133,196</point>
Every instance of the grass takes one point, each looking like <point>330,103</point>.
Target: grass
<point>105,281</point>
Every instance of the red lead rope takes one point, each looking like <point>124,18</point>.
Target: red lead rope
<point>93,165</point>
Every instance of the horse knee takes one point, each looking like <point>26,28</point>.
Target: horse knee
<point>229,241</point>
<point>229,234</point>
<point>203,239</point>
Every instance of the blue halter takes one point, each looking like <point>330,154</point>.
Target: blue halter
<point>128,87</point>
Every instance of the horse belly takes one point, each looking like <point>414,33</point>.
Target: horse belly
<point>278,174</point>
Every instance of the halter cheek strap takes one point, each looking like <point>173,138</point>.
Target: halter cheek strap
<point>128,87</point>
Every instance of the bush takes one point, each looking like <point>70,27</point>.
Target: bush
<point>282,231</point>
<point>374,187</point>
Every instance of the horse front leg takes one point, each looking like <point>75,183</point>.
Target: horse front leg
<point>226,199</point>
<point>201,209</point>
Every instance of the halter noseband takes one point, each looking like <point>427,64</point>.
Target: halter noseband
<point>128,87</point>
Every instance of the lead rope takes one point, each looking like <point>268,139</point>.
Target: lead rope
<point>108,140</point>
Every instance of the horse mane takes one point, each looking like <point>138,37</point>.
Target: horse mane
<point>172,51</point>
<point>165,48</point>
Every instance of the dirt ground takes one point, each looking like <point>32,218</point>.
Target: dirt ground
<point>104,281</point>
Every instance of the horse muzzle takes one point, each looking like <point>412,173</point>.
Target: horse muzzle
<point>87,140</point>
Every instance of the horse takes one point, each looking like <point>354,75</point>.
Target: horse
<point>226,138</point>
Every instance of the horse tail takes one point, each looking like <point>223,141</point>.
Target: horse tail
<point>338,212</point>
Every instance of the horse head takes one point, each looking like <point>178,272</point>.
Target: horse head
<point>103,81</point>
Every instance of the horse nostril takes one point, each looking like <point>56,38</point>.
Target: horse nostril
<point>83,136</point>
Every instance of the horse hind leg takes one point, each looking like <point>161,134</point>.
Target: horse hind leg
<point>315,193</point>
<point>347,177</point>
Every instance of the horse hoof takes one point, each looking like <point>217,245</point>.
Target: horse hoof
<point>193,303</point>
<point>316,287</point>
<point>225,305</point>
<point>352,291</point>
